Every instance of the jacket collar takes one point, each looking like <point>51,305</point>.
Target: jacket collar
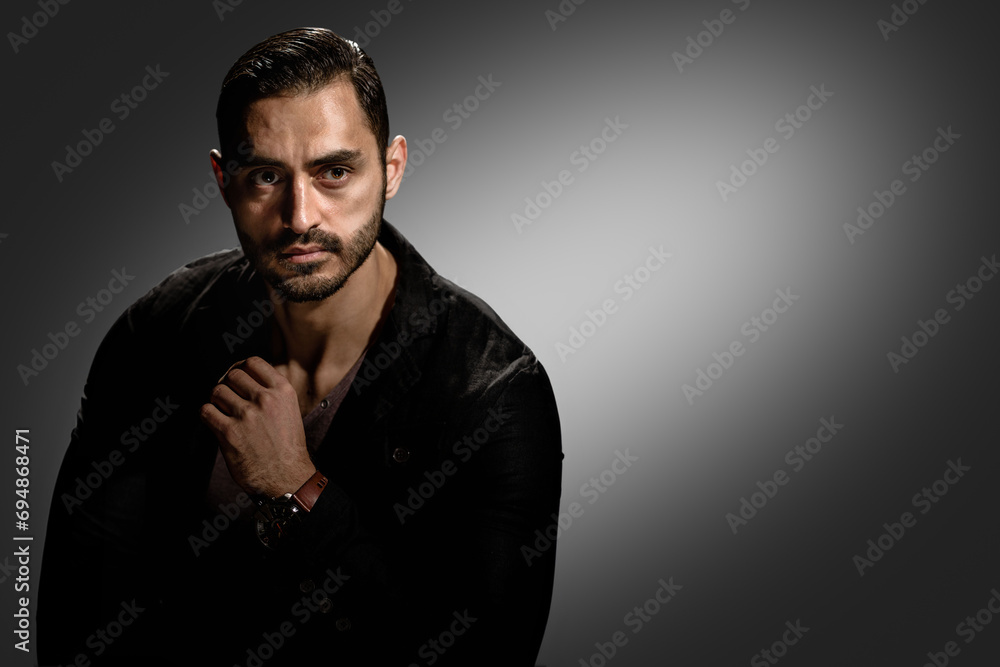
<point>394,363</point>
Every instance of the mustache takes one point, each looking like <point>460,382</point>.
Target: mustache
<point>329,242</point>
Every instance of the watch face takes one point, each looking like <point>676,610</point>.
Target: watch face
<point>264,517</point>
<point>273,518</point>
<point>266,530</point>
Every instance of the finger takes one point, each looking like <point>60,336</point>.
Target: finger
<point>263,372</point>
<point>243,384</point>
<point>213,418</point>
<point>229,369</point>
<point>227,401</point>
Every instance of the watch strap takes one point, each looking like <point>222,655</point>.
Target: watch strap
<point>307,494</point>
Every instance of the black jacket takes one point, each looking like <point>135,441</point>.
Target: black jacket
<point>427,547</point>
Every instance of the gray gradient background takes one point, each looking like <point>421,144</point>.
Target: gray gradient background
<point>654,186</point>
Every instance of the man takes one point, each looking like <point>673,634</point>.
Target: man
<point>314,450</point>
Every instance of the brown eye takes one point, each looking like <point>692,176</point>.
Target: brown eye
<point>264,177</point>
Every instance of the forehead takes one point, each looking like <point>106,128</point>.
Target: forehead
<point>328,118</point>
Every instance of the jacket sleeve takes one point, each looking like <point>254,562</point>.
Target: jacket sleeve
<point>91,573</point>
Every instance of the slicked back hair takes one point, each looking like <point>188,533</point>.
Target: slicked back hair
<point>298,62</point>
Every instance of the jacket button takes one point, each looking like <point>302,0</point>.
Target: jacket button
<point>400,455</point>
<point>307,586</point>
<point>325,605</point>
<point>343,624</point>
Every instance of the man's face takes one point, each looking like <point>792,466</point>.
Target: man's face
<point>308,204</point>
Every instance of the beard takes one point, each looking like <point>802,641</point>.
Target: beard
<point>307,284</point>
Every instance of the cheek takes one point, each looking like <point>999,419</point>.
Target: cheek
<point>364,195</point>
<point>356,205</point>
<point>251,224</point>
<point>253,213</point>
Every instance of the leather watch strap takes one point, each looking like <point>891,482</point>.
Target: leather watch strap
<point>307,494</point>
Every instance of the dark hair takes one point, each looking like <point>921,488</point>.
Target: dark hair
<point>298,62</point>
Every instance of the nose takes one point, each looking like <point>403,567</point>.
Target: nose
<point>301,206</point>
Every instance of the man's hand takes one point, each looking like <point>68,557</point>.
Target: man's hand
<point>254,412</point>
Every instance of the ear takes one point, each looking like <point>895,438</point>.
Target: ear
<point>395,163</point>
<point>216,157</point>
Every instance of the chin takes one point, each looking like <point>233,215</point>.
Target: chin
<point>315,288</point>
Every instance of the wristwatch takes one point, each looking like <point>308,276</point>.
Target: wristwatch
<point>278,517</point>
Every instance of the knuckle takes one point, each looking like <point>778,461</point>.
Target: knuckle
<point>269,400</point>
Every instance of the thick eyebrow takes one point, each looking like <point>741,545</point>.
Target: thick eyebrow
<point>343,155</point>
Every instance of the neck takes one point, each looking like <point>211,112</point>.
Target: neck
<point>335,331</point>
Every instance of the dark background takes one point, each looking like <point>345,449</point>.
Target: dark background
<point>655,185</point>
